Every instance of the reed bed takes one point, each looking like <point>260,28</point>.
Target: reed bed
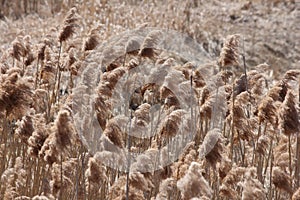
<point>240,99</point>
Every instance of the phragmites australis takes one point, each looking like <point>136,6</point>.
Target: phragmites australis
<point>193,184</point>
<point>278,92</point>
<point>25,128</point>
<point>198,79</point>
<point>18,49</point>
<point>252,187</point>
<point>289,119</point>
<point>230,181</point>
<point>61,177</point>
<point>207,101</point>
<point>117,191</point>
<point>140,181</point>
<point>262,144</point>
<point>281,180</point>
<point>47,74</point>
<point>102,110</point>
<point>224,167</point>
<point>166,188</point>
<point>188,155</point>
<point>39,135</point>
<point>109,81</point>
<point>133,46</point>
<point>14,178</point>
<point>95,173</point>
<point>93,39</point>
<point>41,52</point>
<point>62,136</point>
<point>211,147</point>
<point>114,133</point>
<point>228,192</point>
<point>28,46</point>
<point>291,75</point>
<point>69,25</point>
<point>239,117</point>
<point>240,85</point>
<point>256,82</point>
<point>170,125</point>
<point>71,59</point>
<point>141,115</point>
<point>150,44</point>
<point>229,53</point>
<point>169,98</point>
<point>15,95</point>
<point>267,111</point>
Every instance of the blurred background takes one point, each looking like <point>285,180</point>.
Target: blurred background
<point>270,28</point>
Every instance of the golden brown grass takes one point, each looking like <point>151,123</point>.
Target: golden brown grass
<point>247,143</point>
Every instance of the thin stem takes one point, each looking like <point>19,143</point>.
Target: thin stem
<point>269,157</point>
<point>191,106</point>
<point>246,77</point>
<point>232,128</point>
<point>61,177</point>
<point>56,74</point>
<point>214,110</point>
<point>23,66</point>
<point>290,160</point>
<point>260,162</point>
<point>36,74</point>
<point>124,61</point>
<point>83,174</point>
<point>297,170</point>
<point>241,148</point>
<point>244,63</point>
<point>128,158</point>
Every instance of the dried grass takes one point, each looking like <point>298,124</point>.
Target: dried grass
<point>246,142</point>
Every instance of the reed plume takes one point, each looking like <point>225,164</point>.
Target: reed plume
<point>211,147</point>
<point>229,53</point>
<point>61,138</point>
<point>15,96</point>
<point>281,180</point>
<point>18,49</point>
<point>166,189</point>
<point>39,135</point>
<point>70,23</point>
<point>25,128</point>
<point>253,189</point>
<point>95,175</point>
<point>170,125</point>
<point>150,43</point>
<point>193,183</point>
<point>267,111</point>
<point>114,133</point>
<point>289,119</point>
<point>93,39</point>
<point>133,46</point>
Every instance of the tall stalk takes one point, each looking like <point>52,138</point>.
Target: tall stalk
<point>232,129</point>
<point>290,160</point>
<point>57,76</point>
<point>297,168</point>
<point>128,158</point>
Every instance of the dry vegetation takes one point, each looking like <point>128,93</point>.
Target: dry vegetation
<point>245,114</point>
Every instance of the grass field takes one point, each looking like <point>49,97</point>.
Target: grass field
<point>149,99</point>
